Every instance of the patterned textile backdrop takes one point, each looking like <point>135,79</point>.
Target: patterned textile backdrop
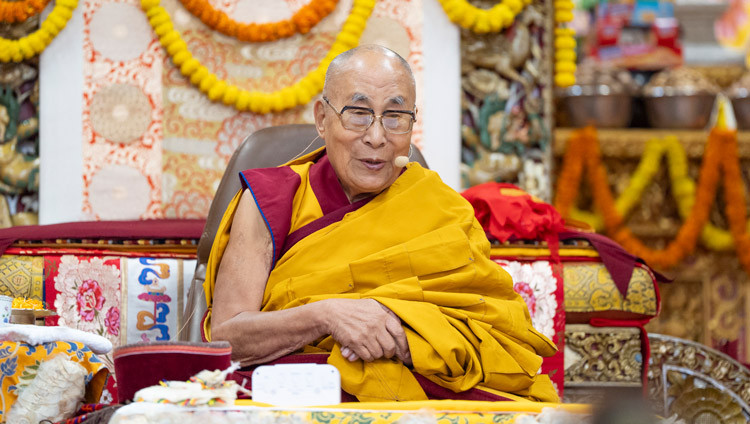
<point>126,300</point>
<point>153,145</point>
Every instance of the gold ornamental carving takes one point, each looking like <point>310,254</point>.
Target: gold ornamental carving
<point>701,404</point>
<point>699,384</point>
<point>595,355</point>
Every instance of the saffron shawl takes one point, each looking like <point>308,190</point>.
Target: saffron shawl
<point>417,249</point>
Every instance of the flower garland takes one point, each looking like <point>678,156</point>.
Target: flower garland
<point>481,21</point>
<point>502,15</point>
<point>35,43</point>
<point>565,44</point>
<point>217,89</point>
<point>306,17</point>
<point>682,187</point>
<point>18,11</point>
<point>720,153</point>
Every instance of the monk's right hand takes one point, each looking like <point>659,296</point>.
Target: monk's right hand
<point>366,329</point>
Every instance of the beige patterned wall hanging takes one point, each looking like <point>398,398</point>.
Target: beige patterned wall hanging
<point>154,146</point>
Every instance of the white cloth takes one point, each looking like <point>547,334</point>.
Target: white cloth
<point>205,388</point>
<point>36,335</point>
<point>53,395</point>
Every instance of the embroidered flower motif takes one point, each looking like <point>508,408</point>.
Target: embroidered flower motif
<point>106,397</point>
<point>89,299</point>
<point>84,287</point>
<point>112,321</point>
<point>537,285</point>
<point>527,293</point>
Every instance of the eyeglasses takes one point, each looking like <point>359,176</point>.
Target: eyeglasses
<point>355,118</point>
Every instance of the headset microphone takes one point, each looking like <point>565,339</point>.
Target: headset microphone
<point>401,161</point>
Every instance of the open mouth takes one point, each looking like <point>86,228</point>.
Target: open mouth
<point>373,164</point>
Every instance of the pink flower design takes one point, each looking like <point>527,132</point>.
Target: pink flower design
<point>527,293</point>
<point>89,299</point>
<point>112,321</point>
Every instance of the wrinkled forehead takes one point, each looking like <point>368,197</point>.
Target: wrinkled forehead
<point>371,77</point>
<point>357,97</point>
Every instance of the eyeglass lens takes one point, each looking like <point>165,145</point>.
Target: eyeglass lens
<point>360,120</point>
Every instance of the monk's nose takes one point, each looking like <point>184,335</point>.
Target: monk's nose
<point>375,135</point>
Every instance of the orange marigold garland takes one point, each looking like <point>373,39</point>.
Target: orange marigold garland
<point>735,198</point>
<point>570,174</point>
<point>306,17</point>
<point>720,153</point>
<point>687,235</point>
<point>19,11</point>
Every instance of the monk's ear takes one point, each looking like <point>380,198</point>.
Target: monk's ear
<point>320,113</point>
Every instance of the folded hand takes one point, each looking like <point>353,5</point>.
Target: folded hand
<point>368,330</point>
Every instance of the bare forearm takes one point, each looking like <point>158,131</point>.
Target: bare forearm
<point>259,337</point>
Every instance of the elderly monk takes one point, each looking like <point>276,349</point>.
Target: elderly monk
<point>383,267</point>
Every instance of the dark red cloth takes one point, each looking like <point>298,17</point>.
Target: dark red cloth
<point>431,389</point>
<point>114,230</point>
<point>321,222</point>
<point>273,190</point>
<point>145,364</point>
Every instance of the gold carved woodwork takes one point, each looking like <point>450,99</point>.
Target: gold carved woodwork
<point>699,384</point>
<point>708,302</point>
<point>701,404</point>
<point>19,157</point>
<point>629,144</point>
<point>602,356</point>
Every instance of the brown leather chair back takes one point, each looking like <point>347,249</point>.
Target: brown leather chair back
<point>265,148</point>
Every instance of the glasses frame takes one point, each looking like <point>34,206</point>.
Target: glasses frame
<point>379,118</point>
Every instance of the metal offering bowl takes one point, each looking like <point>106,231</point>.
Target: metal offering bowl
<point>741,106</point>
<point>610,111</point>
<point>680,111</point>
<point>598,106</point>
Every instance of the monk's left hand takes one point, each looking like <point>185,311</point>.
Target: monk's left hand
<point>394,328</point>
<point>397,331</point>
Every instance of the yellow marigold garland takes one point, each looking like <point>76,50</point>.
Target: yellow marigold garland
<point>217,89</point>
<point>302,21</point>
<point>565,44</point>
<point>35,43</point>
<point>481,21</point>
<point>19,11</point>
<point>720,153</point>
<point>682,186</point>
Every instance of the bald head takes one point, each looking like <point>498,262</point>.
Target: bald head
<point>348,62</point>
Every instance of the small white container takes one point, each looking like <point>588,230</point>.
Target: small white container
<point>6,308</point>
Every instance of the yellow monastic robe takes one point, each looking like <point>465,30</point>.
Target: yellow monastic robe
<point>417,249</point>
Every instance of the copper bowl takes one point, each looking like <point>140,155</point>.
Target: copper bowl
<point>601,111</point>
<point>741,106</point>
<point>680,111</point>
